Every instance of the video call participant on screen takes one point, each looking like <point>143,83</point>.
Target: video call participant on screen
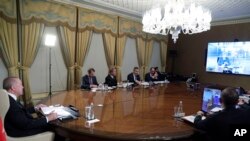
<point>152,75</point>
<point>134,77</point>
<point>18,120</point>
<point>217,125</point>
<point>110,80</point>
<point>223,61</point>
<point>89,81</point>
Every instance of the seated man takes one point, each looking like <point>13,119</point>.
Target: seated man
<point>161,77</point>
<point>18,120</point>
<point>134,76</point>
<point>89,81</point>
<point>152,75</point>
<point>217,126</point>
<point>110,80</point>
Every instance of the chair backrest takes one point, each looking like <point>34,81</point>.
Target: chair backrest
<point>5,103</point>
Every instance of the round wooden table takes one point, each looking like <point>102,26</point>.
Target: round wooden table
<point>135,114</point>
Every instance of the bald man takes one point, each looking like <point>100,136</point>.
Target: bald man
<point>19,121</point>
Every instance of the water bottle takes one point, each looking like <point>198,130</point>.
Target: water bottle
<point>92,115</point>
<point>180,108</point>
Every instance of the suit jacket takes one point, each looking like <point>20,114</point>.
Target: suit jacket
<point>161,77</point>
<point>130,78</point>
<point>19,122</point>
<point>86,82</point>
<point>148,78</point>
<point>217,126</point>
<point>111,81</point>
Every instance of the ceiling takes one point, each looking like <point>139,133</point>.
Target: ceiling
<point>222,10</point>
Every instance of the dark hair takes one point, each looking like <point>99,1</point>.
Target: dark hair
<point>91,70</point>
<point>9,82</point>
<point>229,96</point>
<point>135,68</point>
<point>152,68</point>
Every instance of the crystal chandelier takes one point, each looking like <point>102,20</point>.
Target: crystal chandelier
<point>176,17</point>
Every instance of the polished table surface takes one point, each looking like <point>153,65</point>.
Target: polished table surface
<point>137,114</point>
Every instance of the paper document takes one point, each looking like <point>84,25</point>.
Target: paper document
<point>145,83</point>
<point>93,121</point>
<point>61,112</point>
<point>191,118</point>
<point>216,109</point>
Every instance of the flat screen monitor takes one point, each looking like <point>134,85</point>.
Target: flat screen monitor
<point>228,57</point>
<point>211,99</point>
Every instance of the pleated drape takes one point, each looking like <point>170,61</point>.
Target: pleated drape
<point>109,48</point>
<point>83,44</point>
<point>8,46</point>
<point>121,41</point>
<point>163,55</point>
<point>148,54</point>
<point>31,39</point>
<point>67,42</point>
<point>140,49</point>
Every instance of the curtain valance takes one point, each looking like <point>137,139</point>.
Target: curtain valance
<point>48,12</point>
<point>157,37</point>
<point>92,20</point>
<point>131,28</point>
<point>8,10</point>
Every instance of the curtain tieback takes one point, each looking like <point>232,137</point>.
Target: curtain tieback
<point>78,67</point>
<point>13,67</point>
<point>143,67</point>
<point>118,67</point>
<point>20,67</point>
<point>71,68</point>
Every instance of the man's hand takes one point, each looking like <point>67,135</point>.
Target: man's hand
<point>52,116</point>
<point>138,82</point>
<point>93,86</point>
<point>39,106</point>
<point>200,113</point>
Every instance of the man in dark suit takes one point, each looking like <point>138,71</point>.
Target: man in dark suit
<point>152,75</point>
<point>217,126</point>
<point>89,81</point>
<point>110,80</point>
<point>134,76</point>
<point>18,120</point>
<point>161,77</point>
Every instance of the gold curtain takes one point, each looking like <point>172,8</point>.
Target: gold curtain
<point>148,54</point>
<point>121,41</point>
<point>31,38</point>
<point>67,42</point>
<point>83,43</point>
<point>9,49</point>
<point>140,49</point>
<point>109,48</point>
<point>163,55</point>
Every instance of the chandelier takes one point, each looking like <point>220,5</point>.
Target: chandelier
<point>176,17</point>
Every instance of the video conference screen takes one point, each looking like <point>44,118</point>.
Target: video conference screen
<point>211,99</point>
<point>228,57</point>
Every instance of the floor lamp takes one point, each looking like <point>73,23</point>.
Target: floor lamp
<point>50,41</point>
